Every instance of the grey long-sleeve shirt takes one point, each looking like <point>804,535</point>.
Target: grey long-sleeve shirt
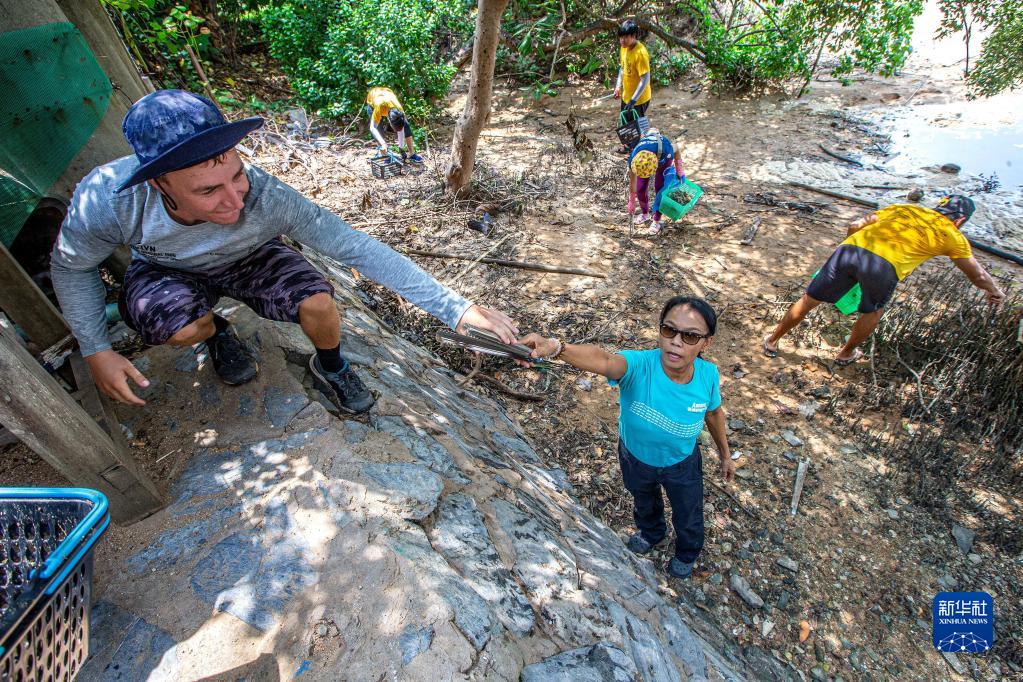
<point>99,220</point>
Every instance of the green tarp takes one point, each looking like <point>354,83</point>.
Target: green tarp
<point>54,96</point>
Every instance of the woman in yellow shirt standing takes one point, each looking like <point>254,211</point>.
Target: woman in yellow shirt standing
<point>633,84</point>
<point>381,104</point>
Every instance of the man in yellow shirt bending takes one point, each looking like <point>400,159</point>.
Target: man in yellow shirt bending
<point>881,250</point>
<point>383,105</point>
<point>633,84</point>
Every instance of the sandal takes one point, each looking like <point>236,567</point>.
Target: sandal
<point>654,229</point>
<point>640,218</point>
<point>845,362</point>
<point>767,350</point>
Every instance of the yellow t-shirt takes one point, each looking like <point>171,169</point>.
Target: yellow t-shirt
<point>635,62</point>
<point>382,100</point>
<point>906,235</point>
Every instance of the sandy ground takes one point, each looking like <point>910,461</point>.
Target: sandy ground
<point>869,562</point>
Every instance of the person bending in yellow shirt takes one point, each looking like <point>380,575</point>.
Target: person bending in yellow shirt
<point>633,84</point>
<point>383,105</point>
<point>879,252</point>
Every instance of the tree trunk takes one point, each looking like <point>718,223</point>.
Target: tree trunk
<point>477,103</point>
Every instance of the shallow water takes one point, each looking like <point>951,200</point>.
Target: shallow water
<point>984,137</point>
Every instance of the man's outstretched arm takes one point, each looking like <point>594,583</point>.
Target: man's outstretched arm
<point>980,279</point>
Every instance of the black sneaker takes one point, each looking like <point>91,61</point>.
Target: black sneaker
<point>345,389</point>
<point>232,360</point>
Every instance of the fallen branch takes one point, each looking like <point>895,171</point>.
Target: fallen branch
<point>732,497</point>
<point>838,195</point>
<point>840,157</point>
<point>476,261</point>
<point>522,265</point>
<point>987,248</point>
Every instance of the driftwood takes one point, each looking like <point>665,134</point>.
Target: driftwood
<point>522,265</point>
<point>750,233</point>
<point>838,195</point>
<point>800,479</point>
<point>840,157</point>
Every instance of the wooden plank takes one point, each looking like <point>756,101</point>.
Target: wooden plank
<point>27,306</point>
<point>42,415</point>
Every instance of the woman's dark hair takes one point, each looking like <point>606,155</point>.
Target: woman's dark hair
<point>396,117</point>
<point>628,28</point>
<point>697,304</point>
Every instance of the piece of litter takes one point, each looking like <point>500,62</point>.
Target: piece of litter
<point>736,454</point>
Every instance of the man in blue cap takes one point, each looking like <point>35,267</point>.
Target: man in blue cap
<point>201,225</point>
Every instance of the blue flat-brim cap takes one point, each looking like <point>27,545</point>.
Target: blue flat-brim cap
<point>174,129</point>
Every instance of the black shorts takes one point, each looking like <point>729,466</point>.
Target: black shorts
<point>640,108</point>
<point>850,265</point>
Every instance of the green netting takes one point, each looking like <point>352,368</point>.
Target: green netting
<point>55,95</point>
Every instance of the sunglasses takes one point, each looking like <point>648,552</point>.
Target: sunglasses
<point>688,338</point>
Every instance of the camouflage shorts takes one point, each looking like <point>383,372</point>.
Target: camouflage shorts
<point>157,301</point>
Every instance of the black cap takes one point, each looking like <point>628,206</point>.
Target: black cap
<point>956,206</point>
<point>628,28</point>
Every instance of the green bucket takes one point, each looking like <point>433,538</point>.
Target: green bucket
<point>672,208</point>
<point>850,303</point>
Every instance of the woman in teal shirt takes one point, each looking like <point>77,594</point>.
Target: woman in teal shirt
<point>666,396</point>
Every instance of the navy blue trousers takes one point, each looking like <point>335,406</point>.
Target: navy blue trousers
<point>683,484</point>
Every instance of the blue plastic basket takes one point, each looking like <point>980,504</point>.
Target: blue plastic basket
<point>46,541</point>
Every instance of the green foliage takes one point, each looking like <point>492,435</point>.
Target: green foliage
<point>1000,64</point>
<point>334,52</point>
<point>157,31</point>
<point>787,39</point>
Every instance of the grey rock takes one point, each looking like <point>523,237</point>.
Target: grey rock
<point>469,612</point>
<point>964,538</point>
<point>121,643</point>
<point>948,582</point>
<point>778,538</point>
<point>822,391</point>
<point>293,342</point>
<point>893,514</point>
<point>600,662</point>
<point>791,438</point>
<point>684,643</point>
<point>788,564</point>
<point>461,537</point>
<point>737,424</point>
<point>422,446</point>
<point>409,486</point>
<point>818,674</point>
<point>783,599</point>
<point>743,589</point>
<point>413,641</point>
<point>915,194</point>
<point>951,168</point>
<point>584,384</point>
<point>648,652</point>
<point>281,406</point>
<point>975,559</point>
<point>744,473</point>
<point>716,578</point>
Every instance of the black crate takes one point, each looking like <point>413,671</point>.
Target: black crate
<point>46,541</point>
<point>385,167</point>
<point>632,128</point>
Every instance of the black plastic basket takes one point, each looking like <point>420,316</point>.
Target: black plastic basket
<point>46,541</point>
<point>384,167</point>
<point>632,128</point>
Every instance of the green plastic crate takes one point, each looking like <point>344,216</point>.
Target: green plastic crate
<point>672,208</point>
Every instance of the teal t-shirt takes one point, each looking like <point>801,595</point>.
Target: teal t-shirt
<point>660,420</point>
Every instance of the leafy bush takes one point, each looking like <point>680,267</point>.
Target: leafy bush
<point>156,33</point>
<point>334,52</point>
